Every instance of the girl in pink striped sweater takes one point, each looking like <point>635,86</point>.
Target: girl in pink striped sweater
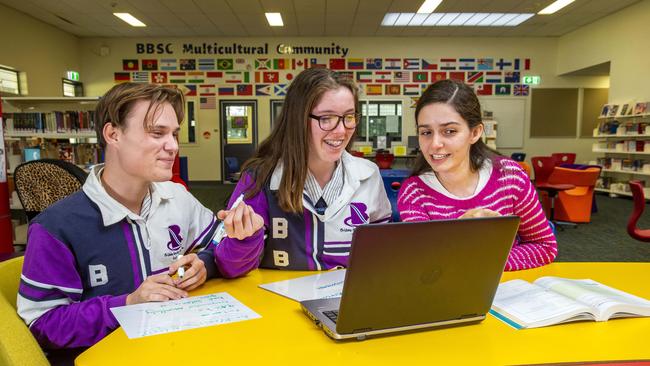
<point>457,176</point>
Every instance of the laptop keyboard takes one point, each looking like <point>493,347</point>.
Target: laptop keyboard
<point>333,315</point>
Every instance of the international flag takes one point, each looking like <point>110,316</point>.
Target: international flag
<point>140,76</point>
<point>466,64</point>
<point>263,89</point>
<point>420,77</point>
<point>315,63</point>
<point>502,89</point>
<point>346,74</point>
<point>522,90</point>
<point>288,77</point>
<point>484,89</point>
<point>457,75</point>
<point>189,90</point>
<point>130,65</point>
<point>121,77</point>
<point>429,65</point>
<point>226,90</point>
<point>214,77</point>
<point>511,77</point>
<point>299,63</point>
<point>234,77</point>
<point>364,76</point>
<point>475,77</point>
<point>187,64</point>
<point>493,76</point>
<point>374,64</point>
<point>149,65</point>
<point>527,64</point>
<point>197,77</point>
<point>245,89</point>
<point>168,64</point>
<point>281,64</point>
<point>411,89</point>
<point>241,64</point>
<point>411,64</point>
<point>373,89</point>
<point>392,64</point>
<point>280,89</point>
<point>224,64</point>
<point>337,64</point>
<point>438,75</point>
<point>503,64</point>
<point>393,89</point>
<point>355,64</point>
<point>401,76</point>
<point>485,64</point>
<point>206,64</point>
<point>414,101</point>
<point>207,89</point>
<point>159,77</point>
<point>270,77</point>
<point>263,64</point>
<point>383,76</point>
<point>447,64</point>
<point>208,103</point>
<point>177,77</point>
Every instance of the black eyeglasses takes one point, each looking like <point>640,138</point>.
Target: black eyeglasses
<point>329,122</point>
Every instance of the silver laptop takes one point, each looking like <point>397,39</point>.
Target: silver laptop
<point>408,276</point>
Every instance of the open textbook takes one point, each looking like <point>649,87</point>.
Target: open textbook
<point>554,300</point>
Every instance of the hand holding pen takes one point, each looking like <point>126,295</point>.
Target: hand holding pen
<point>190,271</point>
<point>240,222</point>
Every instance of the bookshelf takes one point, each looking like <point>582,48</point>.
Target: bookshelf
<point>50,127</point>
<point>623,145</point>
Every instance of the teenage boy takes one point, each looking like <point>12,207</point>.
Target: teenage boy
<point>121,238</point>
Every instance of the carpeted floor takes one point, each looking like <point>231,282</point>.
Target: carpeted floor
<point>602,240</point>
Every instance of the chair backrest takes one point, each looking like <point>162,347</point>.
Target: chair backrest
<point>639,205</point>
<point>518,156</point>
<point>577,177</point>
<point>543,167</point>
<point>17,344</point>
<point>564,158</point>
<point>40,183</point>
<point>356,153</point>
<point>384,160</point>
<point>524,165</point>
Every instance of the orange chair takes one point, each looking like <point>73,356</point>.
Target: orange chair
<point>524,165</point>
<point>384,160</point>
<point>564,158</point>
<point>574,205</point>
<point>639,205</point>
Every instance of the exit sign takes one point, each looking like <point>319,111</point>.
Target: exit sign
<point>72,75</point>
<point>532,80</point>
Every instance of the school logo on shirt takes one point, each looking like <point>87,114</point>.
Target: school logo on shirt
<point>175,238</point>
<point>358,214</point>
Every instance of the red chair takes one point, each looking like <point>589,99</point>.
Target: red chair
<point>639,205</point>
<point>543,167</point>
<point>384,160</point>
<point>176,172</point>
<point>356,153</point>
<point>564,158</point>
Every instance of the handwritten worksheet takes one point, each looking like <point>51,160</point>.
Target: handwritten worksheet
<point>319,286</point>
<point>151,318</point>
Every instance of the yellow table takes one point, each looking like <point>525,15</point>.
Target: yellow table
<point>285,336</point>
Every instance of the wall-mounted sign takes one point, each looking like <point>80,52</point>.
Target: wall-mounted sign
<point>215,48</point>
<point>531,80</point>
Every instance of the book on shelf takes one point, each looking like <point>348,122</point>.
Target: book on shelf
<point>51,122</point>
<point>613,110</point>
<point>555,300</point>
<point>640,108</point>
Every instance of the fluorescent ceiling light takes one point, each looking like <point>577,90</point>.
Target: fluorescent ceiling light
<point>557,5</point>
<point>455,19</point>
<point>418,19</point>
<point>404,19</point>
<point>428,6</point>
<point>133,21</point>
<point>389,19</point>
<point>274,19</point>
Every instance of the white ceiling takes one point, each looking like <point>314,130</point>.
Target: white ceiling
<point>309,18</point>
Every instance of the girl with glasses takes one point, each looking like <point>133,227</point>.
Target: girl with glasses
<point>457,176</point>
<point>303,193</point>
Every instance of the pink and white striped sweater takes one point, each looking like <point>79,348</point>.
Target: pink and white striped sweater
<point>508,192</point>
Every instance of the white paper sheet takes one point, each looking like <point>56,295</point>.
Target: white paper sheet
<point>151,318</point>
<point>319,286</point>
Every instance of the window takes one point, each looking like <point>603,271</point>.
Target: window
<point>380,118</point>
<point>72,88</point>
<point>9,82</point>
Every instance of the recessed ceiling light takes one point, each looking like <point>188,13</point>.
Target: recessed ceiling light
<point>447,19</point>
<point>488,20</point>
<point>404,19</point>
<point>519,19</point>
<point>274,19</point>
<point>389,19</point>
<point>557,5</point>
<point>428,6</point>
<point>475,19</point>
<point>455,19</point>
<point>418,19</point>
<point>504,20</point>
<point>133,21</point>
<point>433,19</point>
<point>462,18</point>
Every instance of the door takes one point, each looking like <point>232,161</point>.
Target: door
<point>238,136</point>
